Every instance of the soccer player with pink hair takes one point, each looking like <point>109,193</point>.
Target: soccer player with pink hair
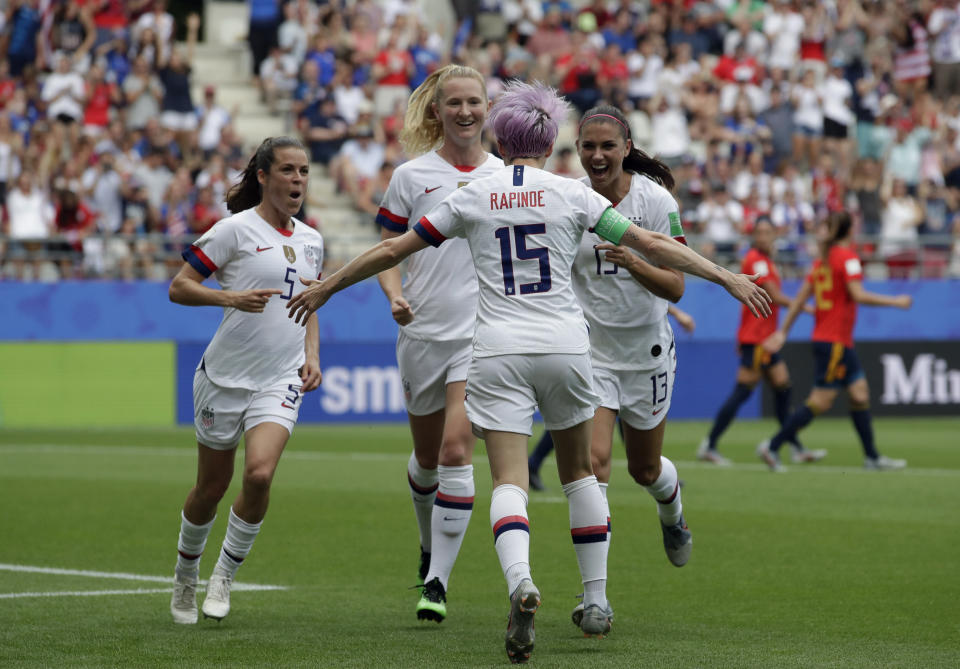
<point>531,347</point>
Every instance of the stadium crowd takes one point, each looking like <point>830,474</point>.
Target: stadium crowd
<point>787,109</point>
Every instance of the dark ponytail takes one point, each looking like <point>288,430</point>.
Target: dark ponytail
<point>839,224</point>
<point>246,193</point>
<point>635,161</point>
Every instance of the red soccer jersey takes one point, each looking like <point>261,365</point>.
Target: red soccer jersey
<point>754,330</point>
<point>836,312</point>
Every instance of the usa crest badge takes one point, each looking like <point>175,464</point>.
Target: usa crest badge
<point>290,254</point>
<point>206,417</point>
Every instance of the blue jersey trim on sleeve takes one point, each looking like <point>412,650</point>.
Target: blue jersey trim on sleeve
<point>425,234</point>
<point>196,263</point>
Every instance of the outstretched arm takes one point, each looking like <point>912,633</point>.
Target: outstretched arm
<point>384,255</point>
<point>391,282</point>
<point>664,282</point>
<point>775,342</point>
<point>663,250</point>
<point>861,295</point>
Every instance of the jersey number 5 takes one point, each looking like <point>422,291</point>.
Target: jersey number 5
<point>520,233</point>
<point>291,280</point>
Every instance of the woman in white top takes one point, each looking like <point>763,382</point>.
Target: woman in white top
<point>625,298</point>
<point>530,345</point>
<point>443,124</point>
<point>252,376</point>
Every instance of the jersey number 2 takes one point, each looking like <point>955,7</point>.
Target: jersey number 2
<point>520,233</point>
<point>822,283</point>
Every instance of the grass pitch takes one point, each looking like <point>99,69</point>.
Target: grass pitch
<point>824,566</point>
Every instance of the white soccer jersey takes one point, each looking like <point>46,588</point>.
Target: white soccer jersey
<point>626,320</point>
<point>245,252</point>
<point>523,226</point>
<point>440,284</point>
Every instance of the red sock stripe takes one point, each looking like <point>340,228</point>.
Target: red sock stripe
<point>672,497</point>
<point>589,535</point>
<point>420,490</point>
<point>453,502</point>
<point>508,523</point>
<point>592,529</point>
<point>189,557</point>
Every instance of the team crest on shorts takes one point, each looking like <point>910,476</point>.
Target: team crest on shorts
<point>206,417</point>
<point>290,254</point>
<point>406,390</point>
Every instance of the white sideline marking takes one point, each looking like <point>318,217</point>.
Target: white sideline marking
<point>84,593</point>
<point>386,457</point>
<point>113,575</point>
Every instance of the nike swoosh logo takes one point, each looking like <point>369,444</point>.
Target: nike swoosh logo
<point>449,518</point>
<point>430,190</point>
<point>658,411</point>
<point>265,248</point>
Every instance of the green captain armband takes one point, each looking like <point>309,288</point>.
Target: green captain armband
<point>612,225</point>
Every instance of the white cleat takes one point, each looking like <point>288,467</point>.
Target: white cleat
<point>216,605</point>
<point>802,455</point>
<point>183,604</point>
<point>707,454</point>
<point>771,459</point>
<point>883,463</point>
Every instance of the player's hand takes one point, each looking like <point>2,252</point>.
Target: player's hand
<point>685,320</point>
<point>308,301</point>
<point>904,301</point>
<point>253,301</point>
<point>620,256</point>
<point>310,375</point>
<point>401,311</point>
<point>744,288</point>
<point>774,342</point>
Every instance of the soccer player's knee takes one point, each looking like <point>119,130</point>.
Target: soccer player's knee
<point>455,450</point>
<point>212,491</point>
<point>644,473</point>
<point>859,405</point>
<point>258,478</point>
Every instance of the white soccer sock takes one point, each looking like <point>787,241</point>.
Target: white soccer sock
<point>606,507</point>
<point>588,527</point>
<point>451,515</point>
<point>423,491</point>
<point>666,490</point>
<point>511,533</point>
<point>193,539</point>
<point>237,543</point>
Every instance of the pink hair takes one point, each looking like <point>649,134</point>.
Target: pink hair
<point>526,118</point>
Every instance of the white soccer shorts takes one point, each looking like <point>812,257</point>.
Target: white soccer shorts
<point>221,415</point>
<point>503,391</point>
<point>426,367</point>
<point>641,398</point>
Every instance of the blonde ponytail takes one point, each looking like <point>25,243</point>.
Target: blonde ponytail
<point>422,130</point>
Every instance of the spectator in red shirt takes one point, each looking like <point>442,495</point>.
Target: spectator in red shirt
<point>391,71</point>
<point>74,221</point>
<point>101,96</point>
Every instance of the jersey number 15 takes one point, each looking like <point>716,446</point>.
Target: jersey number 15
<point>520,233</point>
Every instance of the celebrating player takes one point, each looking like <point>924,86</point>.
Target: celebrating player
<point>436,323</point>
<point>624,298</point>
<point>836,284</point>
<point>755,361</point>
<point>253,374</point>
<point>530,344</point>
